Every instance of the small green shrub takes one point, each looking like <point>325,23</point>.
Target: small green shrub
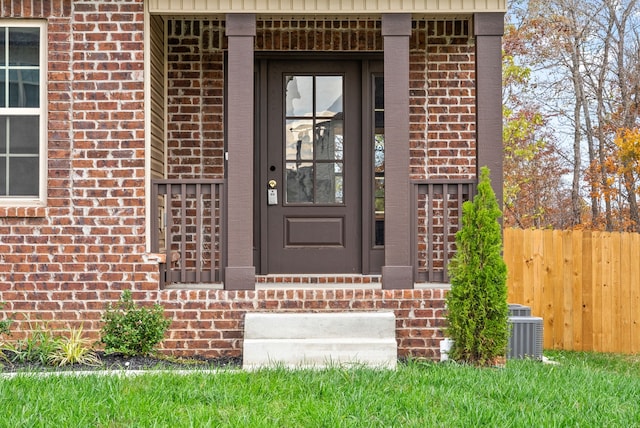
<point>477,309</point>
<point>73,349</point>
<point>130,329</point>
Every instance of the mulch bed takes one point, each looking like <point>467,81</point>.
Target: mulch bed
<point>120,362</point>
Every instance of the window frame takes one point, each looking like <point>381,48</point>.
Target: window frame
<point>41,111</point>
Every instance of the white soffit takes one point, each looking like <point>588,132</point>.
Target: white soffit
<point>324,7</point>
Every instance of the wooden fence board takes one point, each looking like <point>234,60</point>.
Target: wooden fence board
<point>556,279</point>
<point>598,280</point>
<point>576,286</point>
<point>544,293</point>
<point>607,292</point>
<point>624,325</point>
<point>527,275</point>
<point>634,300</point>
<point>586,286</point>
<point>567,291</point>
<point>614,314</point>
<point>587,290</point>
<point>515,262</point>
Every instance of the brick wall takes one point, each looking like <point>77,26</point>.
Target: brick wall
<point>450,71</point>
<point>62,263</point>
<point>195,104</point>
<point>210,322</point>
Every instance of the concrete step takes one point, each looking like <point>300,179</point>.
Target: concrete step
<point>299,340</point>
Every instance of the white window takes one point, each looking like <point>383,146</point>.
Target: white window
<point>23,117</point>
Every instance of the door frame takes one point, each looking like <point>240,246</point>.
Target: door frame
<point>372,257</point>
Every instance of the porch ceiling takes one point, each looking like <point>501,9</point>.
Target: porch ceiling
<point>325,7</point>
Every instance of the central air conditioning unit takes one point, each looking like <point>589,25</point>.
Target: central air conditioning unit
<point>525,338</point>
<point>517,310</point>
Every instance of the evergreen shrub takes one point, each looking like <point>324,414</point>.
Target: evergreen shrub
<point>477,310</point>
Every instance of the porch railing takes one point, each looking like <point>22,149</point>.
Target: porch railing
<point>437,216</point>
<point>187,221</point>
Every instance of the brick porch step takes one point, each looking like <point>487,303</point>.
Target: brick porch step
<point>298,340</point>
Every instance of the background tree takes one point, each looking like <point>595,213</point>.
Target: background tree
<point>584,57</point>
<point>535,194</point>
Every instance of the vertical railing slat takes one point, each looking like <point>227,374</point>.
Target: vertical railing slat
<point>198,233</point>
<point>168,241</point>
<point>192,261</point>
<point>445,230</point>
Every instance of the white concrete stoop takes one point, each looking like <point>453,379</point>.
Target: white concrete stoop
<point>302,340</point>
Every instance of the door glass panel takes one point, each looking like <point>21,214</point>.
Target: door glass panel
<point>329,183</point>
<point>299,182</point>
<point>329,138</point>
<point>299,141</point>
<point>299,95</point>
<point>378,159</point>
<point>314,139</point>
<point>328,95</point>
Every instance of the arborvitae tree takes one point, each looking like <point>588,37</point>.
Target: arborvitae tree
<point>477,303</point>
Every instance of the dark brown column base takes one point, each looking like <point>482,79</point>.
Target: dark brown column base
<point>240,278</point>
<point>397,277</point>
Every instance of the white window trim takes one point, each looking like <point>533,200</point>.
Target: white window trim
<point>42,112</point>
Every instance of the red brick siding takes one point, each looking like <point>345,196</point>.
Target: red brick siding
<point>210,322</point>
<point>450,140</point>
<point>195,87</point>
<point>62,263</point>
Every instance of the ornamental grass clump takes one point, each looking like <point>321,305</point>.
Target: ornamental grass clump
<point>477,310</point>
<point>132,330</point>
<point>74,349</point>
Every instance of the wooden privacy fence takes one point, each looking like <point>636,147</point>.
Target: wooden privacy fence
<point>584,284</point>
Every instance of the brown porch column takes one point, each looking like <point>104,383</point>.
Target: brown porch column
<point>489,28</point>
<point>240,274</point>
<point>397,271</point>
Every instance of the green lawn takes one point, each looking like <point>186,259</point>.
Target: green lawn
<point>585,390</point>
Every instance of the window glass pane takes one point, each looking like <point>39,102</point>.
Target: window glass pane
<point>3,89</point>
<point>3,46</point>
<point>329,183</point>
<point>23,176</point>
<point>3,176</point>
<point>299,143</point>
<point>299,95</point>
<point>329,139</point>
<point>378,154</point>
<point>24,135</point>
<point>299,182</point>
<point>378,82</point>
<point>3,134</point>
<point>24,88</point>
<point>328,95</point>
<point>24,46</point>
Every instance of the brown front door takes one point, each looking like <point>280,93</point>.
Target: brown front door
<point>312,167</point>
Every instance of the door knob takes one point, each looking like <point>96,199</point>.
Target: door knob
<point>272,184</point>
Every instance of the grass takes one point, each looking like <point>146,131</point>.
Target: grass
<point>585,390</point>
